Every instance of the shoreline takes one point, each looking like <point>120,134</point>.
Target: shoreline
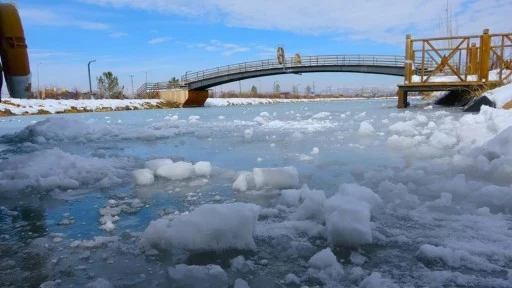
<point>27,107</point>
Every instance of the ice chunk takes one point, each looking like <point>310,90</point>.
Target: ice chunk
<point>248,133</point>
<point>203,168</point>
<point>240,283</point>
<point>291,279</point>
<point>357,258</point>
<point>361,193</point>
<point>154,164</point>
<point>497,198</point>
<point>500,145</point>
<point>211,227</point>
<point>98,241</point>
<point>401,142</point>
<point>375,280</point>
<point>454,258</point>
<point>323,259</point>
<point>244,182</point>
<point>108,226</point>
<point>321,115</point>
<point>365,128</point>
<point>52,169</point>
<point>348,221</point>
<point>239,264</point>
<point>312,204</point>
<point>144,176</point>
<point>276,178</point>
<point>176,171</point>
<point>290,197</point>
<point>442,140</point>
<point>198,276</point>
<point>99,283</point>
<point>325,267</point>
<point>407,128</point>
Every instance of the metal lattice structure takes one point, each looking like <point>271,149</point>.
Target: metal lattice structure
<point>466,58</point>
<point>456,63</point>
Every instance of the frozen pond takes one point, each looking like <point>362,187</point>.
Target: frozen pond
<point>334,194</point>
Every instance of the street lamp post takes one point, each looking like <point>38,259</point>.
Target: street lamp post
<point>89,71</point>
<point>131,76</point>
<point>146,71</point>
<point>38,89</point>
<point>146,84</point>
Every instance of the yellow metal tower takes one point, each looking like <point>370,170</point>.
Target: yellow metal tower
<point>13,52</point>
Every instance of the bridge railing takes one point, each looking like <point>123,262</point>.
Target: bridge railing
<point>305,61</point>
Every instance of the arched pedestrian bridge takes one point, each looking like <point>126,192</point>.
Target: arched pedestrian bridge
<point>373,64</point>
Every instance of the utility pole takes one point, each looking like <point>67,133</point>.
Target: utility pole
<point>89,70</point>
<point>131,76</point>
<point>146,71</point>
<point>240,88</point>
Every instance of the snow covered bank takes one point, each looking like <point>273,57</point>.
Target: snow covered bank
<point>255,101</point>
<point>501,95</point>
<point>13,106</point>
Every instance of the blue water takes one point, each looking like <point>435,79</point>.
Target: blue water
<point>221,141</point>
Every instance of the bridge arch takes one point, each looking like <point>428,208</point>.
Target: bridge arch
<point>370,64</point>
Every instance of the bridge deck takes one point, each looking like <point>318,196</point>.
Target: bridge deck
<point>322,63</point>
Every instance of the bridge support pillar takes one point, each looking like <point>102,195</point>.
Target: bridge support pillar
<point>184,97</point>
<point>402,99</point>
<point>196,98</point>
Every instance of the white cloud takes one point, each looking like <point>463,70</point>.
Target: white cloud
<point>118,34</point>
<point>159,40</point>
<point>375,20</point>
<point>226,49</point>
<point>38,16</point>
<point>40,54</point>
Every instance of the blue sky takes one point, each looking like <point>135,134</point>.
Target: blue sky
<point>170,37</point>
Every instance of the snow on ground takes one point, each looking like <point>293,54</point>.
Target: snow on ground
<point>501,95</point>
<point>32,106</point>
<point>255,101</point>
<point>35,106</point>
<point>494,75</point>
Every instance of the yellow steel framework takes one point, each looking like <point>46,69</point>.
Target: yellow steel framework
<point>460,62</point>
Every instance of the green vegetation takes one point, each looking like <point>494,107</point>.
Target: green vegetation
<point>173,83</point>
<point>108,86</point>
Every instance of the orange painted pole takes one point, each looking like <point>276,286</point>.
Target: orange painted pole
<point>473,64</point>
<point>408,59</point>
<point>485,51</point>
<point>13,52</point>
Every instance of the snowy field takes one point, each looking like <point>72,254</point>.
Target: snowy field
<point>35,106</point>
<point>329,194</point>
